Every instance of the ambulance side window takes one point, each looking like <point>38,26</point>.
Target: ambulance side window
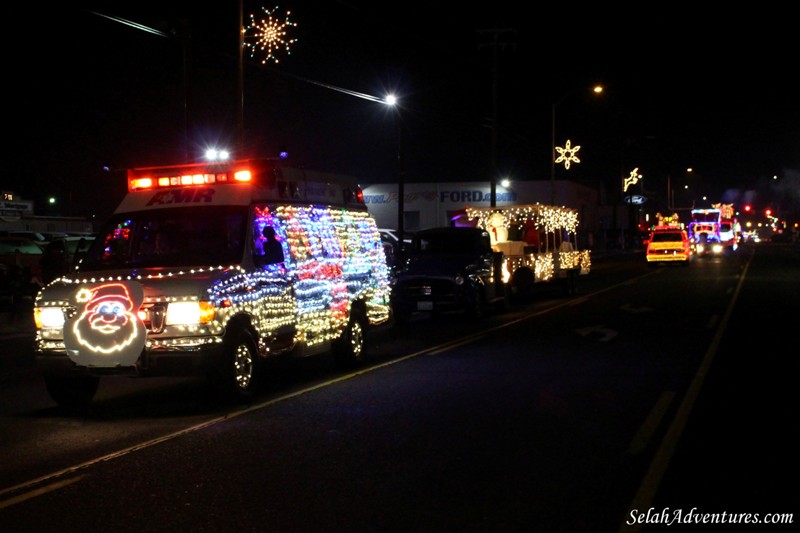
<point>269,238</point>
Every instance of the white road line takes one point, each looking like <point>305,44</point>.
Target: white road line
<point>651,423</point>
<point>658,466</point>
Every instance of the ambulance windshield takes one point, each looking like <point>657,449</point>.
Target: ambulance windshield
<point>195,236</point>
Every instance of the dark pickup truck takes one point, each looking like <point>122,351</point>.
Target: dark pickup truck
<point>448,269</point>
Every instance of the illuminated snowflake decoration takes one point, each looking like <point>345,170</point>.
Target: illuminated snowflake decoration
<point>567,154</point>
<point>267,36</point>
<point>631,180</point>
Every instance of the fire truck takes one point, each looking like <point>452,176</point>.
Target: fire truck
<point>185,279</point>
<point>715,230</point>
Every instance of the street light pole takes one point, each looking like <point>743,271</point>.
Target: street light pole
<point>401,193</point>
<point>669,194</point>
<point>553,155</point>
<point>391,101</point>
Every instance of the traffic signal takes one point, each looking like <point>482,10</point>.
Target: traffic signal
<point>769,212</point>
<point>747,208</point>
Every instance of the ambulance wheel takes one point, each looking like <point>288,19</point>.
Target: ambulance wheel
<point>237,378</point>
<point>349,349</point>
<point>73,391</point>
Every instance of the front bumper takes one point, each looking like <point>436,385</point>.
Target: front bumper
<point>154,361</point>
<point>430,295</point>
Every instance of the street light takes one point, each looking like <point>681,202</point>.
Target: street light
<point>391,101</point>
<point>597,89</point>
<point>671,191</point>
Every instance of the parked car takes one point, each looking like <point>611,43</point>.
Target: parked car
<point>62,254</point>
<point>391,245</point>
<point>391,235</point>
<point>448,269</point>
<point>9,245</point>
<point>35,236</point>
<point>77,246</point>
<point>20,275</point>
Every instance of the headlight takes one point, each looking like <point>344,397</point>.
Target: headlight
<point>189,313</point>
<point>48,317</point>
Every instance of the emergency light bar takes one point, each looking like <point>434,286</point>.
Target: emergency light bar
<point>271,180</point>
<point>188,175</point>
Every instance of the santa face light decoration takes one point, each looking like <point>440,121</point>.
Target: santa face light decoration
<point>106,328</point>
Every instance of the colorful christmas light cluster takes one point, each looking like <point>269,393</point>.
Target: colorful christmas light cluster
<point>333,257</point>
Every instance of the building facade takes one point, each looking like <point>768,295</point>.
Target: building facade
<point>428,205</point>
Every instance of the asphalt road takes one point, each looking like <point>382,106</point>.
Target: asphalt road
<point>653,391</point>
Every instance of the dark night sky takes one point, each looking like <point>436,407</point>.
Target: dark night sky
<point>682,90</point>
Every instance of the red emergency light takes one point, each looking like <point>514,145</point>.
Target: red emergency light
<point>192,175</point>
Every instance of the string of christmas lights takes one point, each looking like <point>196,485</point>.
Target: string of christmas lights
<point>549,219</point>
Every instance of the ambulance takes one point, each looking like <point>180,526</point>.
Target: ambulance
<point>178,282</point>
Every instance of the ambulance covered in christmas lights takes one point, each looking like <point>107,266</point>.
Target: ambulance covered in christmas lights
<point>181,281</point>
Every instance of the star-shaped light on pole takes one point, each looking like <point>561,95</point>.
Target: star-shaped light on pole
<point>567,155</point>
<point>268,35</point>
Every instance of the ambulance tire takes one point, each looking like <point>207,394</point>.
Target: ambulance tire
<point>349,350</point>
<point>237,378</point>
<point>73,391</point>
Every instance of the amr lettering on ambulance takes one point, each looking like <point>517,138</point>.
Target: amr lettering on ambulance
<point>179,281</point>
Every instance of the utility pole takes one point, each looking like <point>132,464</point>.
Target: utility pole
<point>240,110</point>
<point>185,37</point>
<point>496,45</point>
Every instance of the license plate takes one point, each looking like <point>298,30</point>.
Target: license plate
<point>424,306</point>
